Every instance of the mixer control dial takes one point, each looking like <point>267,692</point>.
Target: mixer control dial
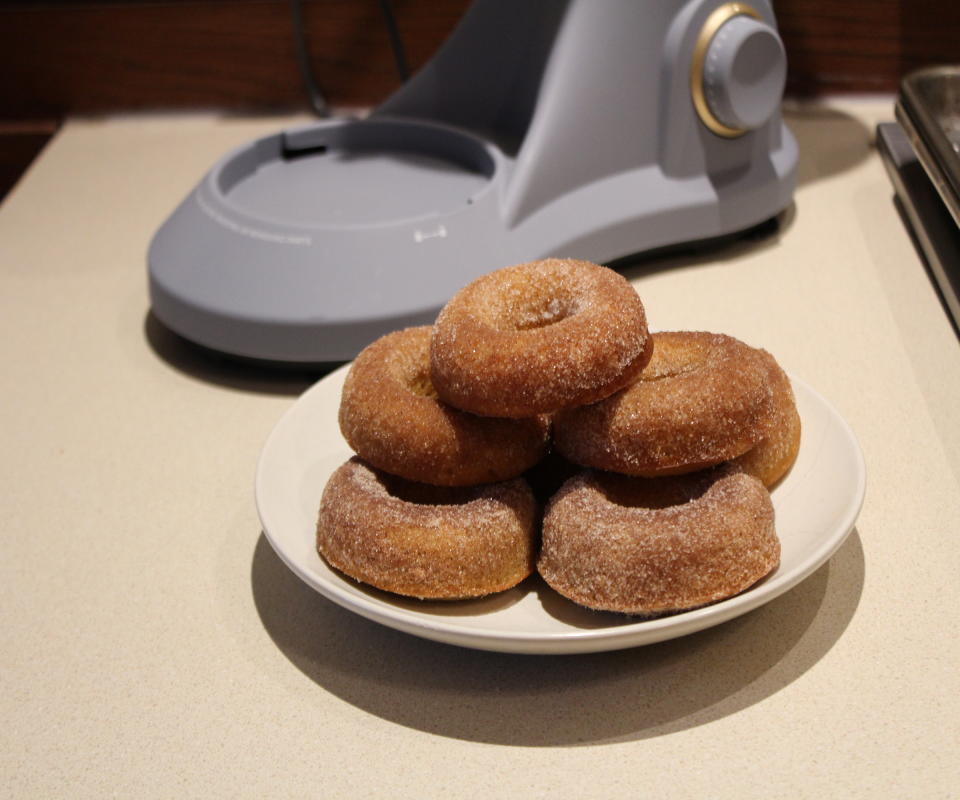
<point>738,72</point>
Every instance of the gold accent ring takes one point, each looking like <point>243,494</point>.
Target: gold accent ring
<point>718,17</point>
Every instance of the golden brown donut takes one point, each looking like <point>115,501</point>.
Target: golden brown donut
<point>426,541</point>
<point>538,337</point>
<point>773,456</point>
<point>704,398</point>
<point>661,545</point>
<point>391,417</point>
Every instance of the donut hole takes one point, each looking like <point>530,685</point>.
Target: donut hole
<point>529,305</point>
<point>423,494</point>
<point>412,370</point>
<point>418,382</point>
<point>543,311</point>
<point>651,493</point>
<point>672,362</point>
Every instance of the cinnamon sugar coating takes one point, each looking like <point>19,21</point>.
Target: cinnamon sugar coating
<point>661,545</point>
<point>773,456</point>
<point>704,398</point>
<point>390,415</point>
<point>538,337</point>
<point>426,541</point>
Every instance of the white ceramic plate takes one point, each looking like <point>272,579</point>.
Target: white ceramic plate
<point>816,507</point>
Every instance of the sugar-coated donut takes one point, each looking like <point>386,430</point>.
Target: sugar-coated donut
<point>391,417</point>
<point>660,545</point>
<point>704,398</point>
<point>773,456</point>
<point>538,337</point>
<point>426,541</point>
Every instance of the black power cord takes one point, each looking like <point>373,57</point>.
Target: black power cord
<point>396,42</point>
<point>317,101</point>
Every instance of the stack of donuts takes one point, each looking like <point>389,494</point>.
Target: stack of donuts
<point>652,454</point>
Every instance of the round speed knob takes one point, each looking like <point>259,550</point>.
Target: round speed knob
<point>739,71</point>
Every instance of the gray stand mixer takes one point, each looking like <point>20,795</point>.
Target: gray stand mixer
<point>590,129</point>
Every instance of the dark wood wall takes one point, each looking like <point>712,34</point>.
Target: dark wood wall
<point>99,56</point>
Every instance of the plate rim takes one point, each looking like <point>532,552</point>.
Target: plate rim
<point>621,636</point>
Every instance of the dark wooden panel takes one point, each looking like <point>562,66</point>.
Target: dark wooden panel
<point>93,56</point>
<point>864,45</point>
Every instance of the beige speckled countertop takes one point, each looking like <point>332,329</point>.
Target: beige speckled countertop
<point>154,646</point>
